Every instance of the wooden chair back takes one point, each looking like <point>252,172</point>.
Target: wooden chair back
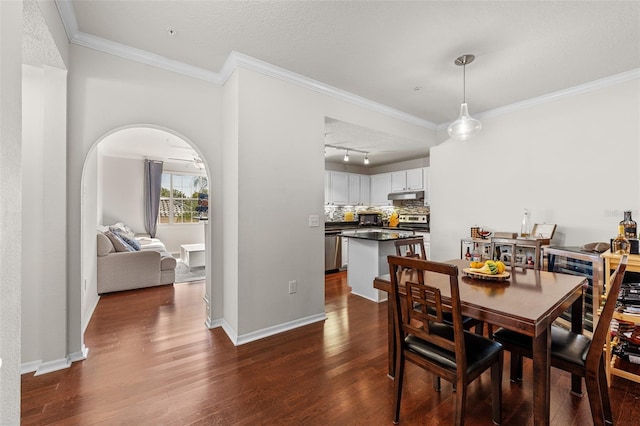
<point>425,338</point>
<point>407,248</point>
<point>421,306</point>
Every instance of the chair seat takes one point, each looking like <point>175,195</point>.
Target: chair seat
<point>479,349</point>
<point>565,345</point>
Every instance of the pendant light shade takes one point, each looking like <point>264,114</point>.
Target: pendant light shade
<point>465,126</point>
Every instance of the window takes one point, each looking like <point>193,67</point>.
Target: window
<point>183,198</point>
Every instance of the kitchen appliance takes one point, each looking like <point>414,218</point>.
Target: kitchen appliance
<point>406,195</point>
<point>332,250</point>
<point>370,219</point>
<point>418,222</point>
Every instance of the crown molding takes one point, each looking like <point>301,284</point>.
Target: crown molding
<point>564,93</point>
<point>236,59</point>
<point>233,61</point>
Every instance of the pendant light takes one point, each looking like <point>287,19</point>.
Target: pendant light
<point>465,126</point>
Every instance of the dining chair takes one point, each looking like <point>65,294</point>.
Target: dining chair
<point>576,353</point>
<point>446,351</point>
<point>407,247</point>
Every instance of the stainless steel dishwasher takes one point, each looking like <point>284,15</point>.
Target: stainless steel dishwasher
<point>332,251</point>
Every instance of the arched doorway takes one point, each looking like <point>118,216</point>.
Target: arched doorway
<point>112,191</point>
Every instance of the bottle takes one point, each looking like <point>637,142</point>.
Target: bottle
<point>467,255</point>
<point>630,226</point>
<point>475,256</point>
<point>620,245</point>
<point>524,229</point>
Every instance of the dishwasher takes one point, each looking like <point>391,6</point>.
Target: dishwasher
<point>332,251</point>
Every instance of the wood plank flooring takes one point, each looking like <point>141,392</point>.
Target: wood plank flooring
<point>153,362</point>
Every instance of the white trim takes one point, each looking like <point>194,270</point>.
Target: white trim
<point>51,366</point>
<point>214,323</point>
<point>233,61</point>
<point>277,329</point>
<point>236,59</point>
<point>30,367</point>
<point>571,91</point>
<point>90,315</point>
<point>79,356</point>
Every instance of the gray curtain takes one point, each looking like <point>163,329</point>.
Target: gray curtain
<point>152,184</point>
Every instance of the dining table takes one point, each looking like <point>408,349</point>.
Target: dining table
<point>528,302</point>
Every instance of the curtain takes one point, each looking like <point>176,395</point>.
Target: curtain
<point>152,184</point>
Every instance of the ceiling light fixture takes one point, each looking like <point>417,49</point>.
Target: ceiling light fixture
<point>465,126</point>
<point>198,162</point>
<point>346,154</point>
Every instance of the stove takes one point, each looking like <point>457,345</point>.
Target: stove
<point>418,222</point>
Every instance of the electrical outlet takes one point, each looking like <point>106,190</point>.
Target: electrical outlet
<point>293,286</point>
<point>314,220</point>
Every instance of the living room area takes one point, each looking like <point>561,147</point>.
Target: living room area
<point>181,213</point>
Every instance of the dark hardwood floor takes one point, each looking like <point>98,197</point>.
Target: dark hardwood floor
<point>153,362</point>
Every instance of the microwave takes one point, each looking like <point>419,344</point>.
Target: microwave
<point>370,219</point>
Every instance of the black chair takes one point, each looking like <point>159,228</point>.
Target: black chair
<point>447,351</point>
<point>575,353</point>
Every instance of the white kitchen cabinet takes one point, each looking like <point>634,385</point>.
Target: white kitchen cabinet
<point>338,188</point>
<point>354,190</point>
<point>380,189</point>
<point>365,190</point>
<point>327,187</point>
<point>427,185</point>
<point>407,180</point>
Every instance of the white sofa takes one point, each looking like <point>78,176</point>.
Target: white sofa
<point>120,268</point>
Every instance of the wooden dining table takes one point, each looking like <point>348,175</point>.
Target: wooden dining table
<point>528,302</point>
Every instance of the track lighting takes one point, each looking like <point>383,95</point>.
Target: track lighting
<point>346,153</point>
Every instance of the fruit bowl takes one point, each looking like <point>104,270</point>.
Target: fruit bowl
<point>484,234</point>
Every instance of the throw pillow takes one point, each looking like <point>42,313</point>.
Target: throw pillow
<point>122,229</point>
<point>118,243</point>
<point>135,245</point>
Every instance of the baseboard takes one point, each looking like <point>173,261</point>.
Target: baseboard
<point>51,366</point>
<point>40,367</point>
<point>214,323</point>
<point>30,367</point>
<point>270,331</point>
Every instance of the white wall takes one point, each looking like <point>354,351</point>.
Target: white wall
<point>107,93</point>
<point>44,236</point>
<point>572,161</point>
<point>10,209</point>
<point>32,273</point>
<point>122,191</point>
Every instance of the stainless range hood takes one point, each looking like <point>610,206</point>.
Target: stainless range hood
<point>406,195</point>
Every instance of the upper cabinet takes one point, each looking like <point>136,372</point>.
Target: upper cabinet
<point>407,180</point>
<point>336,185</point>
<point>358,190</point>
<point>427,185</point>
<point>380,189</point>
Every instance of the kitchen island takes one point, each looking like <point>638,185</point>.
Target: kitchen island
<point>368,251</point>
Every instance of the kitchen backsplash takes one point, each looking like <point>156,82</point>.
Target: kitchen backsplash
<point>336,213</point>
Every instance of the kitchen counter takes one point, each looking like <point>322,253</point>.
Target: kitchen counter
<point>368,251</point>
<point>378,234</point>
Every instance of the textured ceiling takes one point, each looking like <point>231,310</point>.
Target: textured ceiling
<point>382,50</point>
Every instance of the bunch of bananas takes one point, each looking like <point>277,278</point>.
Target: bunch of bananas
<point>490,267</point>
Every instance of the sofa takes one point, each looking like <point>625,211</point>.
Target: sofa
<point>128,261</point>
